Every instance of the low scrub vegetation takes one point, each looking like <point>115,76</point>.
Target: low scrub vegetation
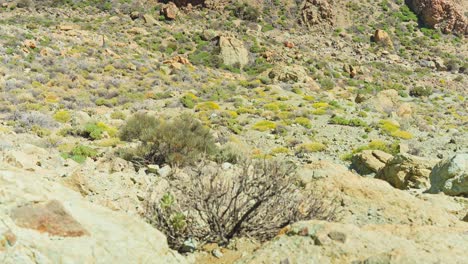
<point>180,141</point>
<point>257,200</point>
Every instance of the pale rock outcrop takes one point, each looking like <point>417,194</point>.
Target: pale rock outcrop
<point>370,161</point>
<point>450,176</point>
<point>44,222</point>
<point>293,73</point>
<point>406,171</point>
<point>443,14</point>
<point>233,51</point>
<point>366,200</point>
<point>324,242</point>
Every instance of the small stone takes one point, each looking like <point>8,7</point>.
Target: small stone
<point>217,253</point>
<point>152,168</point>
<point>337,236</point>
<point>165,171</point>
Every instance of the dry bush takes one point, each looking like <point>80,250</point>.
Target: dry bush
<point>258,200</point>
<point>179,142</point>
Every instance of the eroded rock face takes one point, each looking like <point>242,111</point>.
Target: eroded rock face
<point>406,171</point>
<point>451,176</point>
<point>442,14</point>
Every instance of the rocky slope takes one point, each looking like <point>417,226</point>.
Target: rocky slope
<point>369,104</point>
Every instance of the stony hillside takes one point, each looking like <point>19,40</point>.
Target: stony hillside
<point>113,113</point>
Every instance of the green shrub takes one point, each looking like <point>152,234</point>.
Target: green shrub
<point>180,141</point>
<point>420,91</point>
<point>354,122</point>
<point>96,130</point>
<point>79,153</point>
<point>62,116</point>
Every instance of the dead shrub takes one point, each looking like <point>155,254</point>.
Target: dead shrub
<point>209,204</point>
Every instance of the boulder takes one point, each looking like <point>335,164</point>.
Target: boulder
<point>293,73</point>
<point>445,15</point>
<point>450,176</point>
<point>381,37</point>
<point>406,171</point>
<point>233,51</point>
<point>369,161</point>
<point>170,11</point>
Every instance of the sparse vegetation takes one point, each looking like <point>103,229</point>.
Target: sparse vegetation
<point>180,141</point>
<point>257,201</point>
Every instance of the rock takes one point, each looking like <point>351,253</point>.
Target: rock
<point>135,15</point>
<point>48,217</point>
<point>138,31</point>
<point>50,223</point>
<point>381,37</point>
<point>351,70</point>
<point>169,11</point>
<point>288,44</point>
<point>164,171</point>
<point>7,239</point>
<point>450,176</point>
<point>466,218</point>
<point>67,27</point>
<point>217,253</point>
<point>405,110</point>
<point>370,244</point>
<point>369,161</point>
<point>152,168</point>
<point>30,44</point>
<point>293,73</point>
<point>233,51</point>
<point>385,101</point>
<point>316,12</point>
<point>366,200</point>
<point>149,20</point>
<point>445,15</point>
<point>440,65</point>
<point>406,171</point>
<point>427,64</point>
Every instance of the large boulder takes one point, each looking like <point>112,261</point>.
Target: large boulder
<point>443,14</point>
<point>450,176</point>
<point>406,171</point>
<point>324,242</point>
<point>233,51</point>
<point>370,161</point>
